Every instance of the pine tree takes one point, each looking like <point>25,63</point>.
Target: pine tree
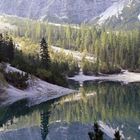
<point>44,54</point>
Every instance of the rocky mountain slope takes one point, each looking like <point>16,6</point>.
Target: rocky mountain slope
<point>71,11</point>
<point>123,14</point>
<point>112,13</point>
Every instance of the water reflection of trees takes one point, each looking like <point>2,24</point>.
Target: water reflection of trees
<point>112,101</point>
<point>26,116</point>
<point>44,115</point>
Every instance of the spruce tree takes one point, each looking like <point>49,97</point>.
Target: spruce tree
<point>44,54</point>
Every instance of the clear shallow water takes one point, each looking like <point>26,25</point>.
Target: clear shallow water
<point>71,117</point>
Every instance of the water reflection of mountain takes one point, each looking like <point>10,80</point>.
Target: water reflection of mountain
<point>113,103</point>
<point>32,133</point>
<point>57,131</point>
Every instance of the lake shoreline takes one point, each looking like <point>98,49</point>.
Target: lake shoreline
<point>37,92</point>
<point>40,91</point>
<point>125,77</point>
<point>33,95</point>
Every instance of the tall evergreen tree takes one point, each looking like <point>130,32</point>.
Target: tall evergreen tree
<point>44,54</point>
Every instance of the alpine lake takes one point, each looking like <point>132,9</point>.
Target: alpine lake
<point>115,105</point>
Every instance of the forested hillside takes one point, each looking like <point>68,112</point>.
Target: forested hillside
<point>44,65</point>
<point>114,50</point>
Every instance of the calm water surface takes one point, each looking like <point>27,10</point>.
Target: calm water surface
<point>71,117</point>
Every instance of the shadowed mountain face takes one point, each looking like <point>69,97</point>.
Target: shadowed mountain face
<point>71,11</point>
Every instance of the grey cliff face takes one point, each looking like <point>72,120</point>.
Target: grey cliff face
<point>71,11</point>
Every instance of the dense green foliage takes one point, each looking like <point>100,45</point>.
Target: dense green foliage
<point>17,79</point>
<point>7,52</point>
<point>66,64</point>
<point>6,48</point>
<point>51,69</point>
